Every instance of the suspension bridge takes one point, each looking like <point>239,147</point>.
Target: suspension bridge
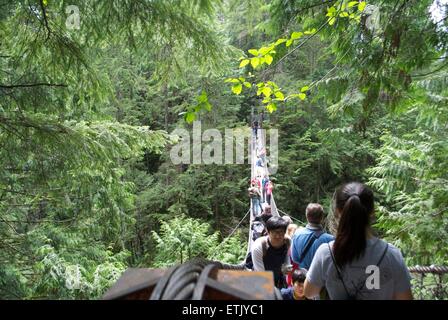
<point>201,279</point>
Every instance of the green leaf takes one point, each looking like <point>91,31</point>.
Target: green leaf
<point>266,91</point>
<point>289,42</point>
<point>279,95</point>
<point>268,58</point>
<point>237,88</point>
<point>271,107</point>
<point>302,96</point>
<point>305,88</point>
<point>255,62</point>
<point>253,52</point>
<point>362,6</point>
<point>241,79</point>
<point>265,50</point>
<point>232,80</point>
<point>190,117</point>
<point>244,63</point>
<point>331,12</point>
<point>247,84</point>
<point>202,97</point>
<point>280,41</point>
<point>331,21</point>
<point>272,84</point>
<point>343,14</point>
<point>312,31</point>
<point>296,35</point>
<point>207,106</point>
<point>352,3</point>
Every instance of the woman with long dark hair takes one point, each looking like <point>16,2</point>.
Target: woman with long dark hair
<point>357,265</point>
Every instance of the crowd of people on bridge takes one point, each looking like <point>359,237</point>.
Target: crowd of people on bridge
<point>310,263</point>
<point>261,187</point>
<point>260,192</point>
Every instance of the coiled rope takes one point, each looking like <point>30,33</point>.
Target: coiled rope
<point>183,282</point>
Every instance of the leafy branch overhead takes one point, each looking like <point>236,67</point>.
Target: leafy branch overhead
<point>264,57</point>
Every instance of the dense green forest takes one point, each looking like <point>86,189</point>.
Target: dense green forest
<point>91,92</point>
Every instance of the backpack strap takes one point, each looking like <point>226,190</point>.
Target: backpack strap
<point>309,244</point>
<point>383,255</point>
<point>264,245</point>
<point>338,271</point>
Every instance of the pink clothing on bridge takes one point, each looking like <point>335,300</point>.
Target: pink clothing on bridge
<point>269,187</point>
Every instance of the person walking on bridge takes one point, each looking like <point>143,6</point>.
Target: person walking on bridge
<point>255,195</point>
<point>269,189</point>
<point>357,265</point>
<point>264,183</point>
<point>270,253</point>
<point>306,241</point>
<point>262,154</point>
<point>255,128</point>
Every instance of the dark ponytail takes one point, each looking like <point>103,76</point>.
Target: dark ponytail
<point>354,202</point>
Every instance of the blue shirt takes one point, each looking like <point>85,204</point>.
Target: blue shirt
<point>299,241</point>
<point>287,293</point>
